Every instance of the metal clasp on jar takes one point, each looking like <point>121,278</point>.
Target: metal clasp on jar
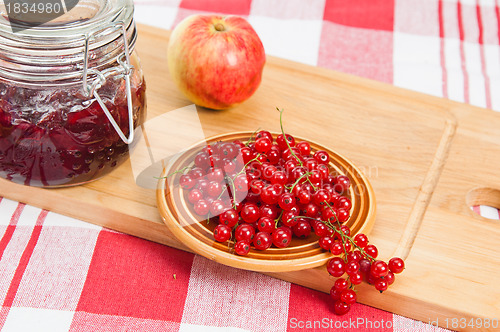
<point>124,68</point>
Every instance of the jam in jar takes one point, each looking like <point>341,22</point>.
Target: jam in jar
<point>71,94</point>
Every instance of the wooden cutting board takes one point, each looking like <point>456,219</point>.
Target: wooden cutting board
<point>428,159</point>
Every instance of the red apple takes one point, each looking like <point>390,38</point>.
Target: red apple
<point>216,61</point>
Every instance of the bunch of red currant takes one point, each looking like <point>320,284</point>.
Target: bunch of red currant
<point>359,265</point>
<point>265,191</point>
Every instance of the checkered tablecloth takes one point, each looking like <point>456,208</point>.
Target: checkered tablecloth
<point>61,274</point>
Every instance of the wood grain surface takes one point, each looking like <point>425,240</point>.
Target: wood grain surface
<point>427,159</point>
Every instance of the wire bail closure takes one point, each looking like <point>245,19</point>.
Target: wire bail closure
<point>124,68</point>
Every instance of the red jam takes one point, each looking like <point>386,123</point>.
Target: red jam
<point>52,137</point>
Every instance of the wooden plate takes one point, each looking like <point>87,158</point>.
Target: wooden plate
<point>178,215</point>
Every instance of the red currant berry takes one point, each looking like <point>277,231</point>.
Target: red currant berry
<point>396,265</point>
<point>250,213</point>
<point>312,210</point>
<point>321,157</point>
<point>286,201</point>
<point>336,267</point>
<point>329,215</point>
<point>379,269</point>
<point>246,154</point>
<point>222,233</point>
<point>270,211</point>
<point>196,172</point>
<point>335,293</point>
<point>352,267</point>
<point>321,197</point>
<point>236,205</point>
<point>356,278</point>
<point>289,218</point>
<point>186,182</point>
<point>348,296</point>
<point>361,240</point>
<point>195,195</point>
<point>266,224</point>
<point>311,164</point>
<point>287,229</point>
<point>268,171</point>
<point>214,189</point>
<point>217,207</point>
<point>341,284</point>
<point>229,166</point>
<point>216,174</point>
<point>229,218</point>
<point>337,248</point>
<point>279,177</point>
<point>381,285</point>
<point>324,172</point>
<point>342,215</point>
<point>341,308</point>
<point>229,150</point>
<point>371,279</point>
<point>257,185</point>
<point>325,242</point>
<point>304,148</point>
<point>283,144</point>
<point>302,228</point>
<point>242,248</point>
<point>304,197</point>
<point>390,278</point>
<point>341,183</point>
<point>343,203</point>
<point>291,154</point>
<point>215,161</point>
<point>262,240</point>
<point>347,246</point>
<point>298,173</point>
<point>281,238</point>
<point>273,156</point>
<point>265,134</point>
<point>202,160</point>
<point>346,230</point>
<point>315,177</point>
<point>371,250</point>
<point>201,207</point>
<point>320,229</point>
<point>355,256</point>
<point>365,267</point>
<point>271,194</point>
<point>263,145</point>
<point>202,185</point>
<point>244,232</point>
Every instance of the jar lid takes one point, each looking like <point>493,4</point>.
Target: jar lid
<point>87,34</point>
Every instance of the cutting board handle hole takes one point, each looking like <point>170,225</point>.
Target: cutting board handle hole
<point>485,202</point>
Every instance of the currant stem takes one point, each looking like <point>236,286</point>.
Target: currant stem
<point>284,137</point>
<point>277,220</point>
<point>251,137</point>
<point>298,180</point>
<point>343,236</point>
<point>237,174</point>
<point>173,173</point>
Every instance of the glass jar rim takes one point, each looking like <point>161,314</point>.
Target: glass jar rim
<point>61,53</point>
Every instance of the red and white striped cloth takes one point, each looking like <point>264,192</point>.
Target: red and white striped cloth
<point>61,274</point>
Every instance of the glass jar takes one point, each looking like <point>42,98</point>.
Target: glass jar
<point>71,94</point>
